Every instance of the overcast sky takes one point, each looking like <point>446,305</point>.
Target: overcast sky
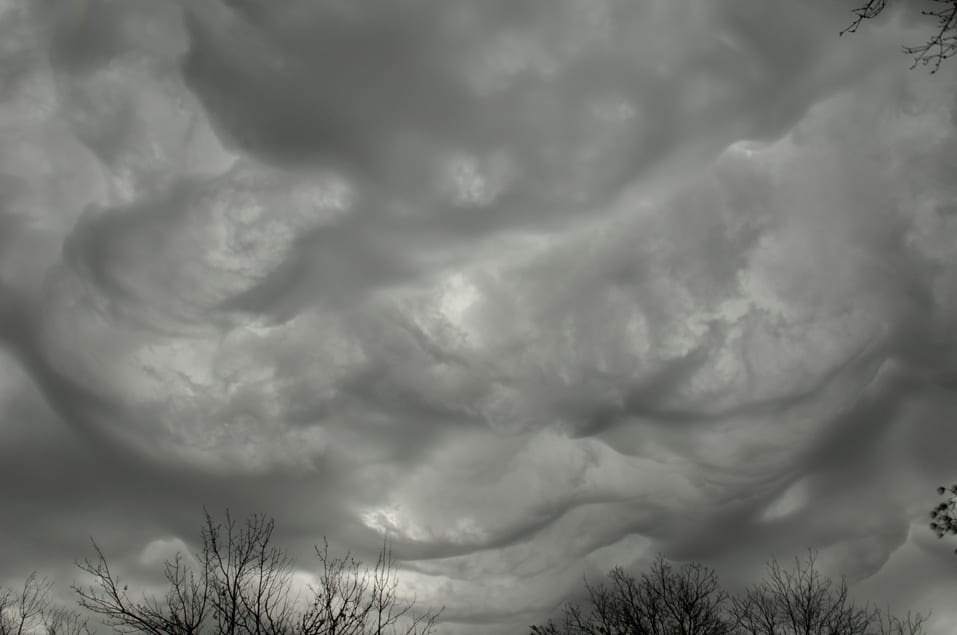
<point>534,287</point>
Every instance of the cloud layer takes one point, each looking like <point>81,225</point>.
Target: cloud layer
<point>534,291</point>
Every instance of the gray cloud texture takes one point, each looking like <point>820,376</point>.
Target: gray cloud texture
<point>536,288</point>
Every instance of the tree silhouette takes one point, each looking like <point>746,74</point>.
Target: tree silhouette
<point>30,609</point>
<point>944,516</point>
<point>241,584</point>
<point>686,600</point>
<point>941,45</point>
<point>801,600</point>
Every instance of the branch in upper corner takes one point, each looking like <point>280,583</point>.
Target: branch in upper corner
<point>941,45</point>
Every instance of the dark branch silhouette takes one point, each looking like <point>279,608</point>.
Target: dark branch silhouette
<point>242,585</point>
<point>941,45</point>
<point>665,599</point>
<point>689,601</point>
<point>30,609</point>
<point>803,600</point>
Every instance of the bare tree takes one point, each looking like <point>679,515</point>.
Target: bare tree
<point>664,600</point>
<point>802,601</point>
<point>22,610</point>
<point>249,578</point>
<point>190,601</point>
<point>351,600</point>
<point>887,623</point>
<point>689,601</point>
<point>941,45</point>
<point>241,584</point>
<point>31,610</point>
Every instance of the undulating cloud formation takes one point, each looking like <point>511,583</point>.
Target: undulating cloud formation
<point>535,288</point>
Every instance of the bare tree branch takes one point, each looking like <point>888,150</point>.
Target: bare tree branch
<point>31,610</point>
<point>351,600</point>
<point>801,600</point>
<point>941,45</point>
<point>242,585</point>
<point>664,599</point>
<point>687,600</point>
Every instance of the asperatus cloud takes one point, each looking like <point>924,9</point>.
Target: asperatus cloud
<point>530,289</point>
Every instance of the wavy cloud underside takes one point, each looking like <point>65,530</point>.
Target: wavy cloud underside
<point>535,290</point>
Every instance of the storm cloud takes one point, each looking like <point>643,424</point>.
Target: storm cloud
<point>533,288</point>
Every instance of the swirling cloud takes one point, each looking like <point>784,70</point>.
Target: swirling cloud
<point>532,292</point>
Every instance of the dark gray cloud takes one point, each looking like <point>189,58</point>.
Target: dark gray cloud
<point>536,290</point>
